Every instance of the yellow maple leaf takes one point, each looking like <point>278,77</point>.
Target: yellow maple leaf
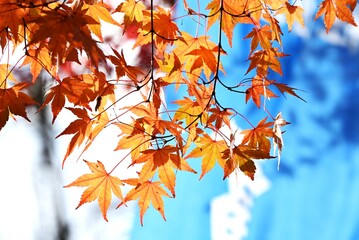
<point>146,193</point>
<point>210,151</point>
<point>292,13</point>
<point>100,185</point>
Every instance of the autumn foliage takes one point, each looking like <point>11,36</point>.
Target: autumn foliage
<point>92,77</point>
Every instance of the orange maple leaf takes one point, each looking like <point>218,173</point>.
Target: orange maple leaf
<point>259,88</point>
<point>284,88</point>
<point>122,68</point>
<point>327,8</point>
<point>226,12</point>
<point>187,44</point>
<point>276,29</point>
<point>189,110</point>
<point>83,129</point>
<point>133,11</point>
<point>292,13</point>
<point>171,65</point>
<point>275,4</point>
<point>266,59</point>
<point>210,151</point>
<point>99,11</point>
<point>146,193</point>
<point>72,34</point>
<point>164,161</point>
<point>70,88</point>
<point>258,136</point>
<point>204,56</point>
<point>261,36</point>
<point>165,30</point>
<point>12,15</point>
<point>241,157</point>
<point>134,137</point>
<point>12,101</point>
<point>220,117</point>
<point>237,159</point>
<point>232,12</point>
<point>342,9</point>
<point>39,58</point>
<point>100,185</point>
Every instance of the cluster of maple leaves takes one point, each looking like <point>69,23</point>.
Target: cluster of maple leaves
<point>55,36</point>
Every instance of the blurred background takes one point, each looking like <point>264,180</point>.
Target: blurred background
<point>314,195</point>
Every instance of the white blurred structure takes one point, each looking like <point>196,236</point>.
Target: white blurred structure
<point>230,212</point>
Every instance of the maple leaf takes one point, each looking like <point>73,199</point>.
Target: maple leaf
<point>99,11</point>
<point>39,58</point>
<point>260,36</point>
<point>342,9</point>
<point>98,88</point>
<point>164,27</point>
<point>204,56</point>
<point>231,12</point>
<point>83,129</point>
<point>172,66</point>
<point>279,122</point>
<point>237,159</point>
<point>153,119</point>
<point>276,29</point>
<point>12,101</point>
<point>165,30</point>
<point>189,44</point>
<point>210,151</point>
<point>146,193</point>
<point>100,185</point>
<point>226,13</point>
<point>327,8</point>
<point>292,13</point>
<point>163,160</point>
<point>189,110</point>
<point>258,136</point>
<point>133,11</point>
<point>275,4</point>
<point>345,10</point>
<point>12,15</point>
<point>72,33</point>
<point>122,68</point>
<point>242,157</point>
<point>264,59</point>
<point>70,89</point>
<point>220,117</point>
<point>134,138</point>
<point>259,88</point>
<point>284,88</point>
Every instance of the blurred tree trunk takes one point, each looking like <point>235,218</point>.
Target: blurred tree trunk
<point>47,176</point>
